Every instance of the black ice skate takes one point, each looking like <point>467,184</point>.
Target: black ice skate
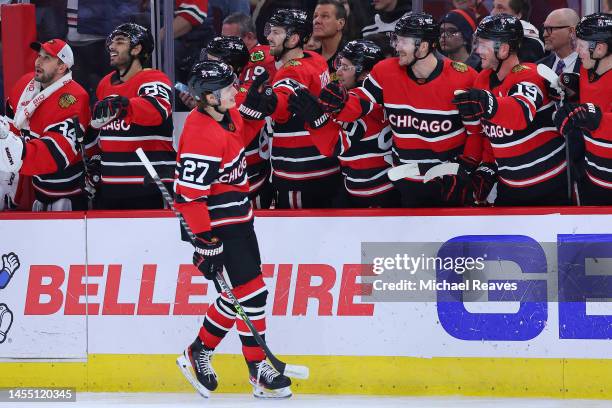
<point>267,382</point>
<point>196,360</point>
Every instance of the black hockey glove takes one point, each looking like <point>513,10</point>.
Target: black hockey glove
<point>454,187</point>
<point>109,109</point>
<point>208,255</point>
<point>483,180</point>
<point>93,176</point>
<point>571,82</point>
<point>333,97</point>
<point>260,100</point>
<point>474,104</point>
<point>305,105</point>
<point>571,116</point>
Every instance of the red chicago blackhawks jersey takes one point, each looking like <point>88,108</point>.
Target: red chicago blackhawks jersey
<point>194,11</point>
<point>529,152</point>
<point>257,150</point>
<point>427,128</point>
<point>51,154</point>
<point>296,162</point>
<point>260,60</point>
<point>211,185</point>
<point>598,143</point>
<point>148,125</point>
<point>364,150</point>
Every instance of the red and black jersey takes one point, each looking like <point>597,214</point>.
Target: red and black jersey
<point>529,152</point>
<point>598,144</point>
<point>427,128</point>
<point>148,125</point>
<point>257,150</point>
<point>211,183</point>
<point>364,150</point>
<point>51,155</point>
<point>297,164</point>
<point>260,60</point>
<point>194,11</point>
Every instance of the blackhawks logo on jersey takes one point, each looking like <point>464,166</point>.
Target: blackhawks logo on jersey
<point>66,100</point>
<point>459,66</point>
<point>519,68</point>
<point>258,56</point>
<point>293,63</point>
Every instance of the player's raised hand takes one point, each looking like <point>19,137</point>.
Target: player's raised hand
<point>474,104</point>
<point>109,109</point>
<point>333,97</point>
<point>260,101</point>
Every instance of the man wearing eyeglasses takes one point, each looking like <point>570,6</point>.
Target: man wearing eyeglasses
<point>560,40</point>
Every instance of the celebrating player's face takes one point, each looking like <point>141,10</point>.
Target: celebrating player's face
<point>119,49</point>
<point>405,47</point>
<point>582,48</point>
<point>345,71</point>
<point>276,38</point>
<point>228,98</point>
<point>486,51</point>
<point>46,68</point>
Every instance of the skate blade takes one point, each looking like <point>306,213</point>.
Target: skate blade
<point>186,368</point>
<point>264,393</point>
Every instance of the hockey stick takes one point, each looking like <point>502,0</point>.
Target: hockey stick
<point>80,139</point>
<point>551,76</point>
<point>290,370</point>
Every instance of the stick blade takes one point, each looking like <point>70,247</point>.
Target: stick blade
<point>441,170</point>
<point>296,371</point>
<point>403,171</point>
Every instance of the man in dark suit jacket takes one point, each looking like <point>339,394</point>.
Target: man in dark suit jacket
<point>560,40</point>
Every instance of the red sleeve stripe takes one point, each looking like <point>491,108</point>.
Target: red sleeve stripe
<point>368,95</point>
<point>497,145</point>
<point>527,106</point>
<point>535,162</point>
<point>535,180</point>
<point>234,161</point>
<point>164,111</point>
<point>598,181</point>
<point>192,11</point>
<point>60,158</point>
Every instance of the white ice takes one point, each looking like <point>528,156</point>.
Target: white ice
<point>163,400</point>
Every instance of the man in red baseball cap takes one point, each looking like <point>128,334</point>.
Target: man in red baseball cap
<point>54,60</point>
<point>40,137</point>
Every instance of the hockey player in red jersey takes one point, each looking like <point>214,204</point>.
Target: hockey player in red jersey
<point>364,146</point>
<point>260,59</point>
<point>416,90</point>
<point>233,52</point>
<point>592,118</point>
<point>211,191</point>
<point>133,110</point>
<point>301,176</point>
<point>41,140</point>
<point>511,101</point>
